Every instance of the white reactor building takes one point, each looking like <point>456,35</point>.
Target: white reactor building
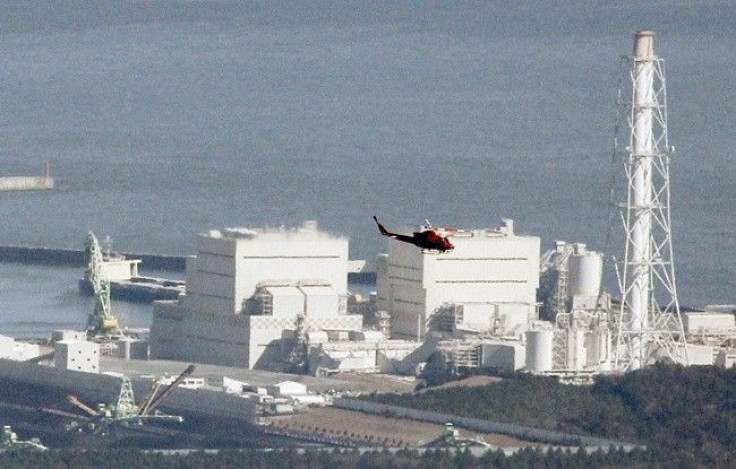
<point>245,287</point>
<point>489,282</point>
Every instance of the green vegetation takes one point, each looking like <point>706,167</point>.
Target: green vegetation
<point>290,459</point>
<point>685,416</point>
<point>667,407</point>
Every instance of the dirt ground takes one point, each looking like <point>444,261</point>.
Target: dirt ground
<point>382,430</point>
<point>469,381</point>
<point>371,382</point>
<point>380,383</point>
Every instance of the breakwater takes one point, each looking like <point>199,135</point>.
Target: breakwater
<point>78,258</point>
<point>26,183</point>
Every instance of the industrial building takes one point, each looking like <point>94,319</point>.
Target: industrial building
<point>267,298</point>
<point>77,355</point>
<point>11,349</point>
<point>365,351</point>
<point>574,336</point>
<point>487,283</point>
<point>585,329</point>
<point>245,287</point>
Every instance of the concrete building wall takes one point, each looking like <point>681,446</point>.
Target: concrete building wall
<point>7,345</point>
<point>121,269</point>
<point>266,333</point>
<point>68,334</point>
<point>356,354</point>
<point>287,302</point>
<point>231,263</point>
<point>292,257</point>
<point>295,271</point>
<point>167,328</point>
<point>708,322</point>
<point>495,267</point>
<point>506,357</point>
<point>133,349</point>
<point>77,355</point>
<point>320,301</point>
<point>211,275</point>
<point>726,358</point>
<point>235,340</point>
<point>701,354</point>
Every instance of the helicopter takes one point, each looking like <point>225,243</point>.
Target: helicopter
<point>428,238</point>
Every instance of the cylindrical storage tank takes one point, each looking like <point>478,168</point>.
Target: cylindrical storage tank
<point>539,350</point>
<point>584,273</point>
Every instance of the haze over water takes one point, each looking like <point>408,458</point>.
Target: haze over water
<point>163,119</point>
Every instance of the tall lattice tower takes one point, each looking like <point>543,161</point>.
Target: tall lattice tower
<point>647,325</point>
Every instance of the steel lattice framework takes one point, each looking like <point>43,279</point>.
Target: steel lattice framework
<point>101,321</point>
<point>647,324</point>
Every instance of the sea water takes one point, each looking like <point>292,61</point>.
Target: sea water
<point>165,119</point>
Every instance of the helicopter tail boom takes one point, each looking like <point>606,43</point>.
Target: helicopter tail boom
<point>381,228</point>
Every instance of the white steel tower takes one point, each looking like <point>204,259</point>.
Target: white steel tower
<point>648,323</point>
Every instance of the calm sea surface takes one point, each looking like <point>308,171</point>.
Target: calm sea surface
<point>163,119</point>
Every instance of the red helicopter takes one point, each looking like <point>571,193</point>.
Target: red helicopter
<point>427,239</point>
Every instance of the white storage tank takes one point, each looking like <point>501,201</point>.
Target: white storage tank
<point>585,269</point>
<point>539,350</point>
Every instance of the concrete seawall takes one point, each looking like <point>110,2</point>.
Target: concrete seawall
<point>78,258</point>
<point>26,183</point>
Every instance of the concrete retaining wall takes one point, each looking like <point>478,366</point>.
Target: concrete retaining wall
<point>104,388</point>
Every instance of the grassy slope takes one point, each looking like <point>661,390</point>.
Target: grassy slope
<point>664,406</point>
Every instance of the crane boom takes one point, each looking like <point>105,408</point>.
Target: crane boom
<point>62,413</point>
<point>155,386</point>
<point>77,403</point>
<point>101,321</point>
<point>170,389</point>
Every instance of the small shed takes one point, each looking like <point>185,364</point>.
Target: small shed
<point>287,389</point>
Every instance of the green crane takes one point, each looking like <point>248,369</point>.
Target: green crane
<point>101,323</point>
<point>123,410</point>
